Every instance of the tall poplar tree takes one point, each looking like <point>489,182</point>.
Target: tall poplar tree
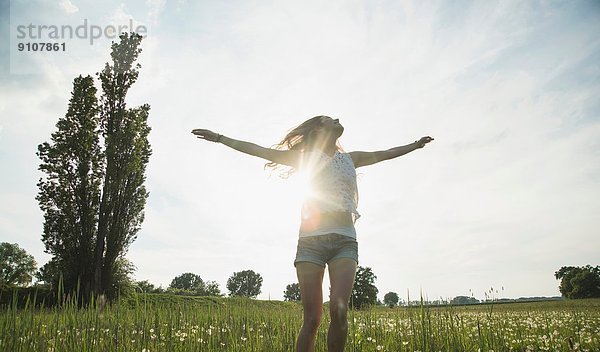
<point>70,194</point>
<point>127,151</point>
<point>93,196</point>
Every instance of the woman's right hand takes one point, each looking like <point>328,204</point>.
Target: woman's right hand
<point>206,134</point>
<point>421,142</point>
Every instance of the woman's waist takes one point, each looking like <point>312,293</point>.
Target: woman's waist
<point>328,219</point>
<point>329,204</point>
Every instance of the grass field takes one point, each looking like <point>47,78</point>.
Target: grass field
<point>175,323</point>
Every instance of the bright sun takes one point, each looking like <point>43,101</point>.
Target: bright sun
<point>302,187</point>
<point>297,188</point>
<point>291,193</point>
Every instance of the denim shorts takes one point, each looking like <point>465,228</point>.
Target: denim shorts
<point>322,249</point>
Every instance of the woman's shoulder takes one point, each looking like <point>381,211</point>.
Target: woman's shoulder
<point>313,159</point>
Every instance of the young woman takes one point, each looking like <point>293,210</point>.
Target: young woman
<point>327,236</point>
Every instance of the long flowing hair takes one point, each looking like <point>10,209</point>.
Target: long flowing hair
<point>301,138</point>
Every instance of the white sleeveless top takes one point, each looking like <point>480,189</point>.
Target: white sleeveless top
<point>332,182</point>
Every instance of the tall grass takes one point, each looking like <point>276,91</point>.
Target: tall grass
<point>174,323</point>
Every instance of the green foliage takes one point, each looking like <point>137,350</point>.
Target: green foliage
<point>364,292</point>
<point>16,266</point>
<point>192,284</point>
<point>579,282</point>
<point>211,288</point>
<point>390,299</point>
<point>93,193</point>
<point>127,152</point>
<point>464,300</point>
<point>245,283</point>
<point>69,195</point>
<point>122,282</point>
<point>292,292</point>
<point>145,286</point>
<point>48,273</point>
<point>19,296</point>
<point>187,281</point>
<point>162,300</point>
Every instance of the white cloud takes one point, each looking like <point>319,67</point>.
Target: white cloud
<point>155,9</point>
<point>68,6</point>
<point>122,18</point>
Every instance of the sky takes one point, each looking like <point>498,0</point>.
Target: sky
<point>506,194</point>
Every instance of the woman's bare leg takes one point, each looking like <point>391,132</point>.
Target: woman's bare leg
<point>310,278</point>
<point>341,275</point>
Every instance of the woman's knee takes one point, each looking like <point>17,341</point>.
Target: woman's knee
<point>312,320</point>
<point>338,311</point>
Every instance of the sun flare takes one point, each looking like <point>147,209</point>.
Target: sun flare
<point>299,188</point>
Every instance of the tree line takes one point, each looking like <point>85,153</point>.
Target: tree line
<point>18,268</point>
<point>246,283</point>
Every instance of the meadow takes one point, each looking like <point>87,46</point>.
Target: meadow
<point>156,322</point>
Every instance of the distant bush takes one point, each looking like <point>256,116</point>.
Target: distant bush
<point>43,296</point>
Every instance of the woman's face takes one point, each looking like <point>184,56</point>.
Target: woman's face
<point>331,126</point>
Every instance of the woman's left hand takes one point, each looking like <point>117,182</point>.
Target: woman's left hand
<point>421,142</point>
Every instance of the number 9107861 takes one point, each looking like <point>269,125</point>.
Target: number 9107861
<point>41,46</point>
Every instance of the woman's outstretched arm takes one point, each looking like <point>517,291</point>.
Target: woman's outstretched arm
<point>284,157</point>
<point>369,158</point>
